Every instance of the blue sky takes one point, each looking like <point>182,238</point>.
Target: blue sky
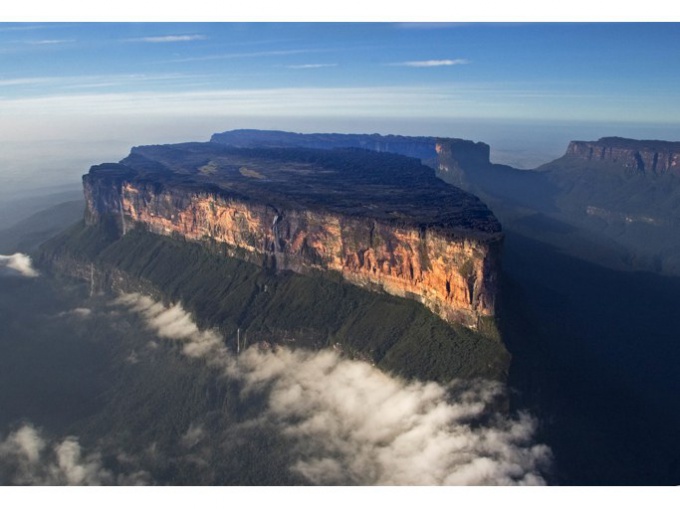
<point>575,72</point>
<point>77,94</point>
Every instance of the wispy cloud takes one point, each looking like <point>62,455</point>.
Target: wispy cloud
<point>360,102</point>
<point>431,63</point>
<point>76,312</point>
<point>169,38</point>
<point>254,54</point>
<point>49,42</point>
<point>22,28</point>
<point>98,81</point>
<point>309,66</point>
<point>429,26</point>
<point>27,81</point>
<point>176,324</point>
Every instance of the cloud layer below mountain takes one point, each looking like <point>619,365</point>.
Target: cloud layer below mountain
<point>350,423</point>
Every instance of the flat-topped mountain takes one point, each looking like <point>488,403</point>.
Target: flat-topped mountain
<point>426,148</point>
<point>382,221</point>
<point>646,156</point>
<point>351,182</point>
<point>422,147</point>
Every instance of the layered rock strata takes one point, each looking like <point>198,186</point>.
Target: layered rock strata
<point>382,222</point>
<point>646,156</point>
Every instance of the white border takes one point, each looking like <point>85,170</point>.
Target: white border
<point>338,10</point>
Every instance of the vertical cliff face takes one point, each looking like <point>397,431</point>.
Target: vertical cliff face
<point>446,260</point>
<point>455,158</point>
<point>645,156</point>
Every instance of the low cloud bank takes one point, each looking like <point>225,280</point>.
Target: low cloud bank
<point>28,458</point>
<point>353,424</point>
<point>176,324</point>
<point>17,264</point>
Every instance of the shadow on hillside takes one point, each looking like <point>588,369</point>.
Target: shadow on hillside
<point>595,356</point>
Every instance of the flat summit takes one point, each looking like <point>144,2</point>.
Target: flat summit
<point>382,221</point>
<point>350,181</point>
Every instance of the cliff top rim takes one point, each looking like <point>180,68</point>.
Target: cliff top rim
<point>274,135</point>
<point>395,189</point>
<point>631,143</point>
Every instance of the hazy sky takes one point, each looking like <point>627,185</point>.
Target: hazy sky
<point>77,94</point>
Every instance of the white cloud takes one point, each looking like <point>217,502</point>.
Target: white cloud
<point>22,28</point>
<point>28,458</point>
<point>431,63</point>
<point>72,469</point>
<point>49,42</point>
<point>77,312</point>
<point>252,54</point>
<point>176,324</point>
<point>17,264</point>
<point>353,424</point>
<point>314,102</point>
<point>157,101</point>
<point>429,25</point>
<point>101,80</point>
<point>169,38</point>
<point>27,81</point>
<point>25,442</point>
<point>310,66</point>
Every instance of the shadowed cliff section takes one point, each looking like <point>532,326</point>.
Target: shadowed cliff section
<point>594,349</point>
<point>615,202</point>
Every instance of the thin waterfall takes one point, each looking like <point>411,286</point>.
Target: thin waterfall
<point>122,218</point>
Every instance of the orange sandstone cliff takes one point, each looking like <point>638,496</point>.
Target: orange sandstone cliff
<point>381,221</point>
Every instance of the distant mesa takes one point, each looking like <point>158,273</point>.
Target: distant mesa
<point>452,157</point>
<point>420,147</point>
<point>646,156</point>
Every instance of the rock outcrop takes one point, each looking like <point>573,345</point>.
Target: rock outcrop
<point>456,159</point>
<point>645,156</point>
<point>381,221</point>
